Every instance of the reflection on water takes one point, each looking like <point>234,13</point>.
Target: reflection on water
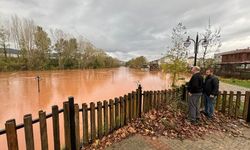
<point>19,94</point>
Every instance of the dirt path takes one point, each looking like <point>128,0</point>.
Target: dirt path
<point>215,141</point>
<point>230,87</point>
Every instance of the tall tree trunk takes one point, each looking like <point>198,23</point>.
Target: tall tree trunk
<point>5,51</point>
<point>174,79</point>
<point>204,57</point>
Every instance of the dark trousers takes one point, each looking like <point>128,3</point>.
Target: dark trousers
<point>194,106</point>
<point>209,105</point>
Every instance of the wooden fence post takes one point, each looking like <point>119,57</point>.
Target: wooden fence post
<point>237,106</point>
<point>122,114</point>
<point>92,122</point>
<point>126,109</point>
<point>224,102</point>
<point>150,100</point>
<point>173,94</point>
<point>111,114</point>
<point>136,104</point>
<point>132,103</point>
<point>11,134</point>
<point>130,106</point>
<point>28,130</point>
<point>218,102</point>
<point>43,130</point>
<point>140,99</point>
<point>77,126</point>
<point>155,99</point>
<point>158,100</point>
<point>144,101</point>
<point>85,124</point>
<point>180,94</point>
<point>247,110</point>
<point>66,125</point>
<point>167,96</point>
<point>106,123</point>
<point>164,96</point>
<point>117,113</point>
<point>170,94</point>
<point>99,119</point>
<point>231,95</point>
<point>56,127</point>
<point>246,106</point>
<point>72,123</point>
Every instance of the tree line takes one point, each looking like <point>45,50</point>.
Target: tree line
<point>137,62</point>
<point>41,50</point>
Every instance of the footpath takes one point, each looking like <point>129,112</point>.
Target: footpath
<point>215,141</point>
<point>230,87</point>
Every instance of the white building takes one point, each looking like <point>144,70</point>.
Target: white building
<point>190,61</point>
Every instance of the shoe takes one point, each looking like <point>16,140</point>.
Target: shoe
<point>210,117</point>
<point>203,112</point>
<point>194,122</point>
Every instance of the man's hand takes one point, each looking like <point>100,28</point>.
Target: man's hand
<point>189,94</point>
<point>211,97</point>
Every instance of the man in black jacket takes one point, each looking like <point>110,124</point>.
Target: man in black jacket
<point>211,90</point>
<point>195,88</point>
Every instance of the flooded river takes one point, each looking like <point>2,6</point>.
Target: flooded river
<point>19,90</point>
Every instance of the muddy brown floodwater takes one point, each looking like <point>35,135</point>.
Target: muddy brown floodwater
<point>19,94</point>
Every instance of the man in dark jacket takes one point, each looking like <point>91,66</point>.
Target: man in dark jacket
<point>211,90</point>
<point>195,88</point>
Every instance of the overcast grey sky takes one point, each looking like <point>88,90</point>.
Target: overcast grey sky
<point>129,28</point>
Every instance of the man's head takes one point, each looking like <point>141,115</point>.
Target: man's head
<point>209,71</point>
<point>195,69</point>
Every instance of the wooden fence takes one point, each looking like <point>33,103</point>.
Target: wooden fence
<point>102,118</point>
<point>234,104</point>
<point>98,119</point>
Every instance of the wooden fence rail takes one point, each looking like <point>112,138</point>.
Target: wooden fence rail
<point>102,118</point>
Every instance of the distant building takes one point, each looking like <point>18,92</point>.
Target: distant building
<point>190,60</point>
<point>155,64</point>
<point>234,63</point>
<point>217,58</point>
<point>161,61</point>
<point>241,56</point>
<point>11,52</point>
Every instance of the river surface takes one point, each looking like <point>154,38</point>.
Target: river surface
<point>19,91</point>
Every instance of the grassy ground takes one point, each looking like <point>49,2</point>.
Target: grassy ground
<point>243,83</point>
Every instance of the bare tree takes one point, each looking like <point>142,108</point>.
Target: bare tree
<point>213,35</point>
<point>22,33</point>
<point>4,40</point>
<point>177,54</point>
<point>57,34</point>
<point>15,28</point>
